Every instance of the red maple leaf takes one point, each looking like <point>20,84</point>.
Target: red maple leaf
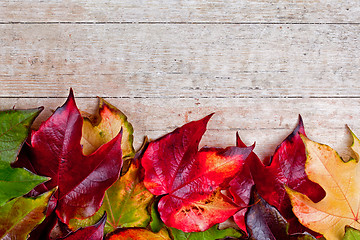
<point>190,179</point>
<point>55,151</point>
<point>286,167</point>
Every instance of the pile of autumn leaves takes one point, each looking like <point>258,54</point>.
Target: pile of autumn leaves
<point>85,181</point>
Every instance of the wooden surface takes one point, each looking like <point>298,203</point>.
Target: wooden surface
<point>256,64</point>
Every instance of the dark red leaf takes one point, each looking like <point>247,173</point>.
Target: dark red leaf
<point>50,228</point>
<point>53,228</point>
<point>240,187</point>
<point>287,166</point>
<point>55,152</point>
<point>265,222</point>
<point>95,232</point>
<point>190,179</point>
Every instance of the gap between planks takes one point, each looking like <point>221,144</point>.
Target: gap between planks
<point>180,23</point>
<point>185,97</point>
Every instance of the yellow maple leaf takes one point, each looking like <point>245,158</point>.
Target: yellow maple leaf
<point>341,205</point>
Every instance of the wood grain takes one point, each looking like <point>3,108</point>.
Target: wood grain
<point>186,61</point>
<point>181,11</point>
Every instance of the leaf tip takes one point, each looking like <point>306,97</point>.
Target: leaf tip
<point>71,93</point>
<point>207,118</point>
<point>239,142</point>
<point>299,128</point>
<point>300,122</point>
<point>40,109</point>
<point>70,101</point>
<point>355,146</point>
<point>103,219</point>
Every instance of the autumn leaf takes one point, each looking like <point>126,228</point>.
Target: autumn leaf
<point>212,233</point>
<point>55,151</point>
<point>240,187</point>
<point>50,228</point>
<point>53,228</point>
<point>126,201</point>
<point>191,180</point>
<point>265,222</point>
<point>14,129</point>
<point>156,224</point>
<point>105,126</point>
<point>19,216</point>
<point>95,232</point>
<point>340,207</point>
<point>351,233</point>
<point>287,166</point>
<point>138,234</point>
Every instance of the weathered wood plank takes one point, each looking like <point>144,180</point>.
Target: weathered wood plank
<point>234,11</point>
<point>266,121</point>
<point>180,61</point>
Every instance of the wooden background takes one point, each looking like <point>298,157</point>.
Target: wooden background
<point>256,64</point>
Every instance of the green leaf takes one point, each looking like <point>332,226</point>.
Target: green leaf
<point>351,233</point>
<point>126,203</point>
<point>210,234</point>
<point>155,223</point>
<point>19,216</point>
<point>14,129</point>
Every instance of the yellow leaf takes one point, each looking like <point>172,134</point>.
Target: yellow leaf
<point>340,207</point>
<point>105,127</point>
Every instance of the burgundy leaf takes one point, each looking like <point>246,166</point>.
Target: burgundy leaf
<point>265,222</point>
<point>55,152</point>
<point>287,166</point>
<point>240,187</point>
<point>50,228</point>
